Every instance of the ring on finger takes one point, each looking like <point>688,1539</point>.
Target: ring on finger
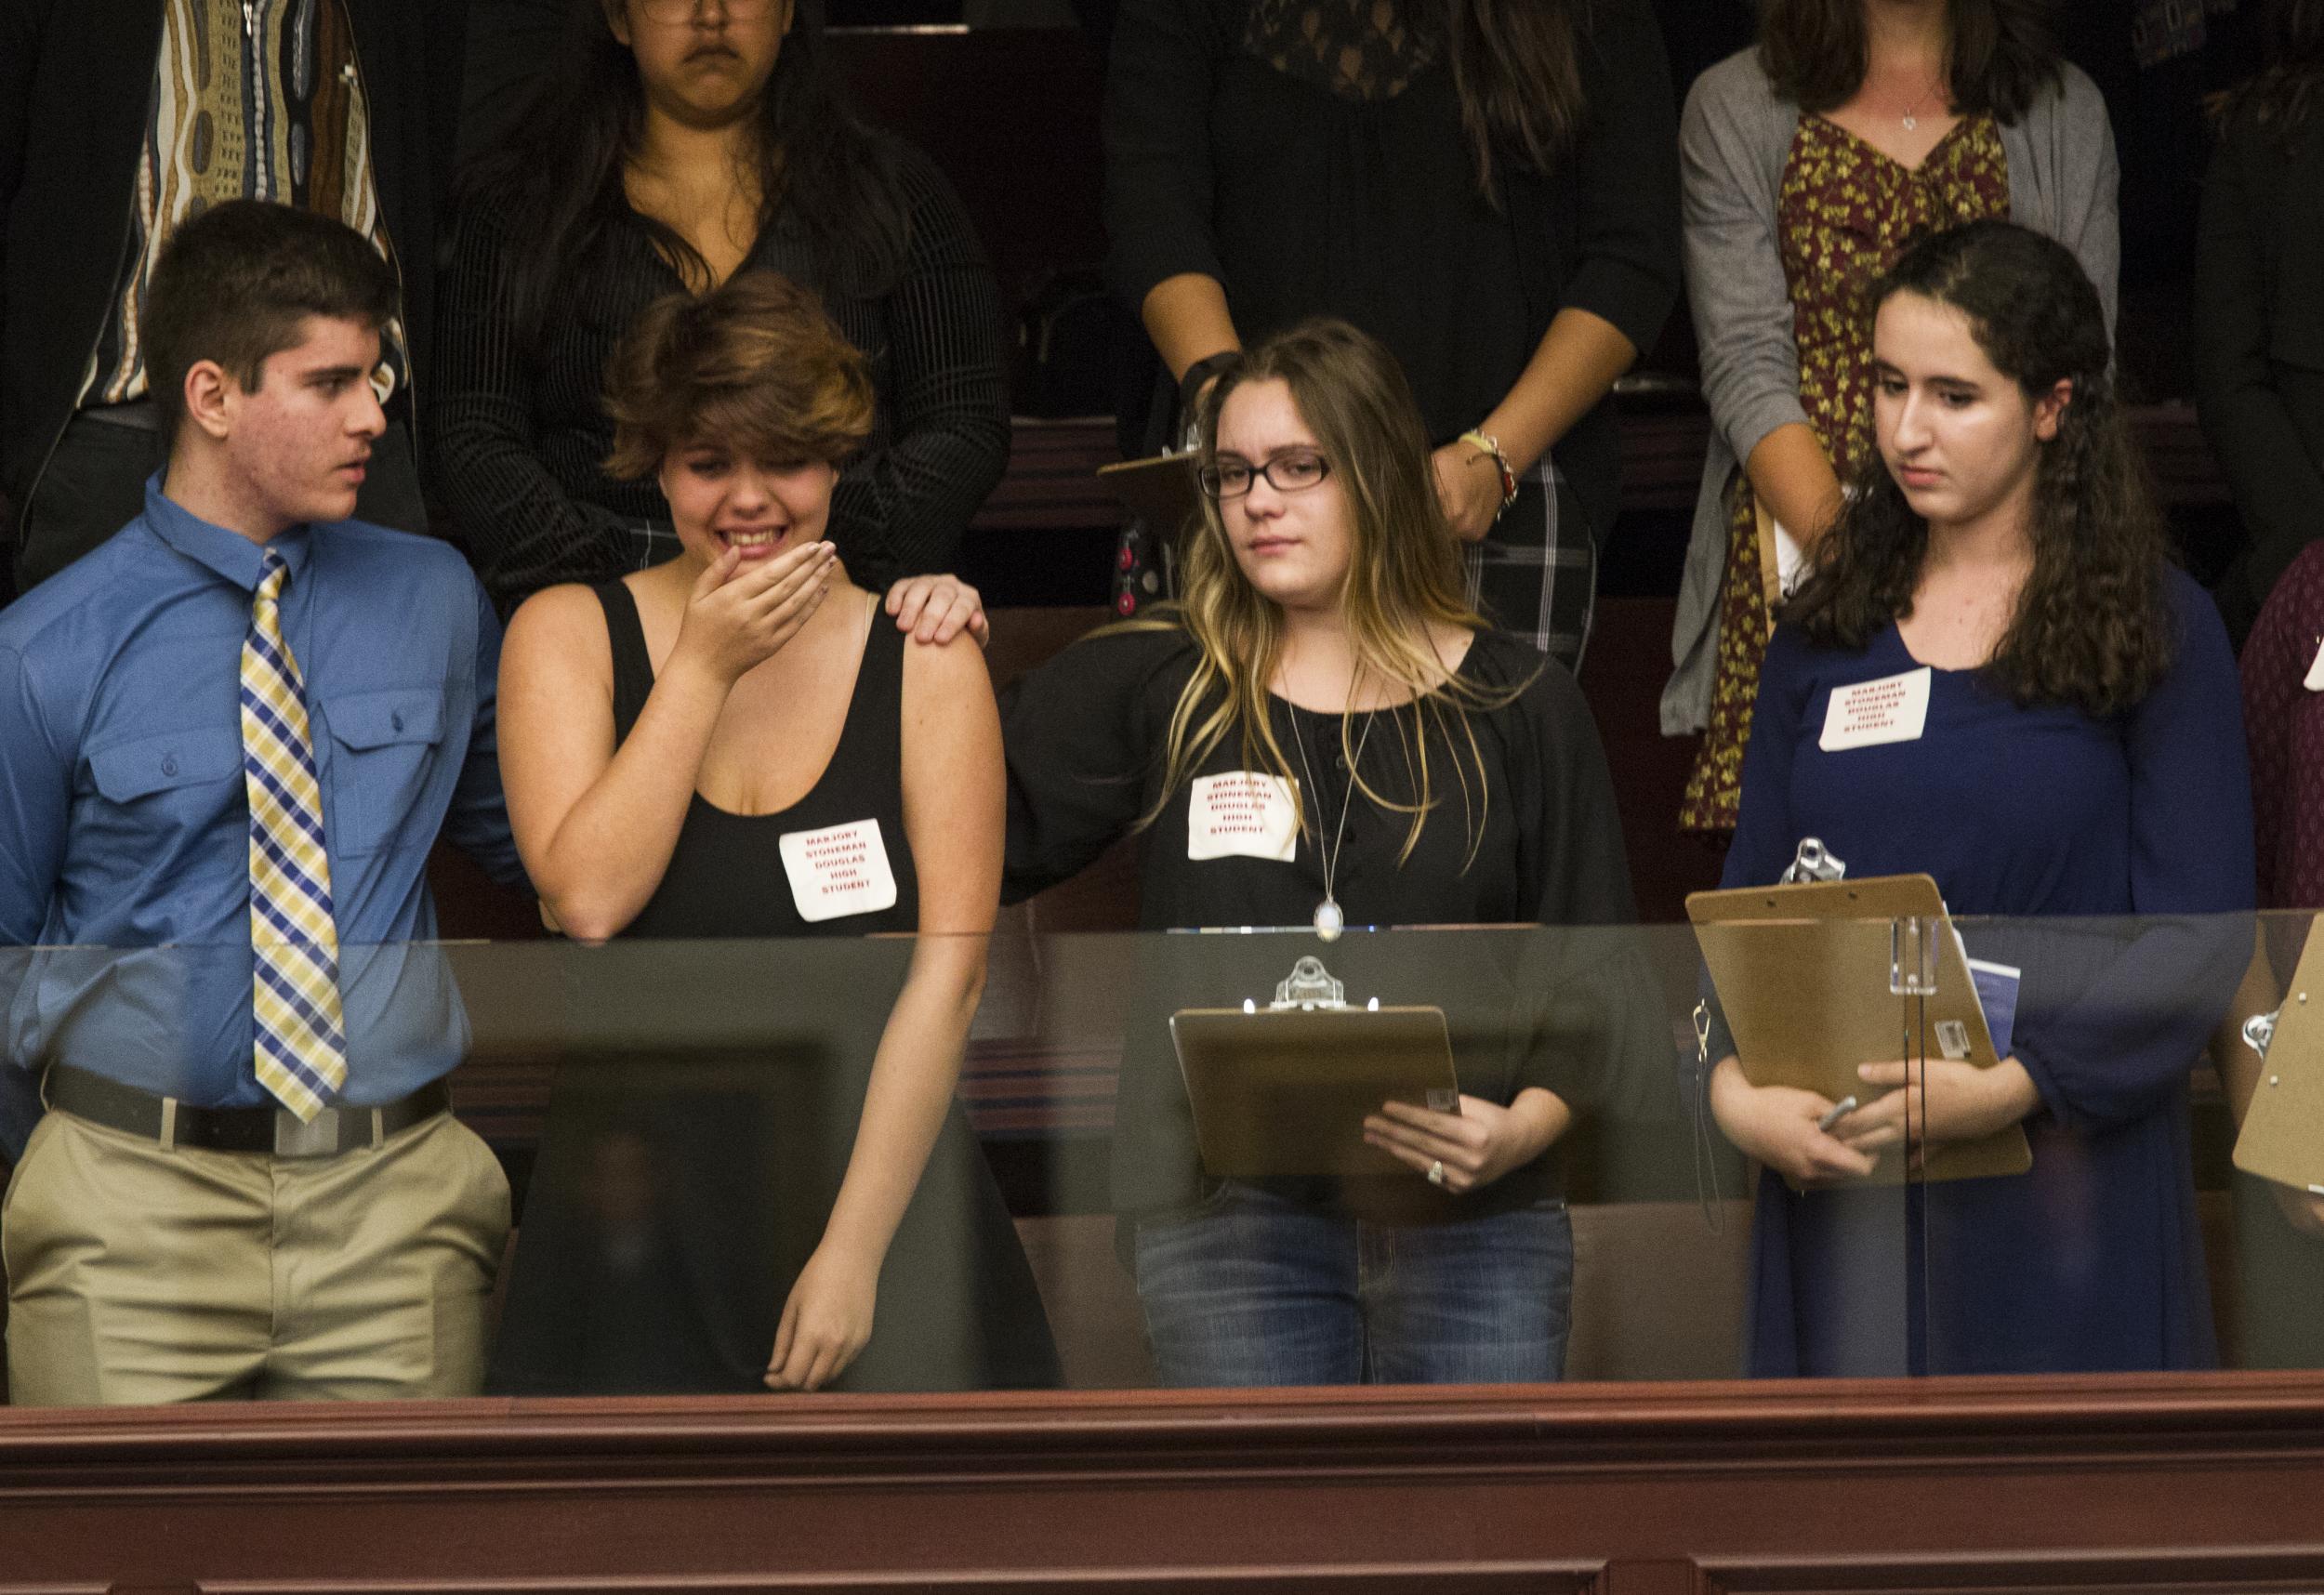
<point>1436,1172</point>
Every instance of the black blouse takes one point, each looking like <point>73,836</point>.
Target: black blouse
<point>1227,156</point>
<point>1564,1009</point>
<point>517,441</point>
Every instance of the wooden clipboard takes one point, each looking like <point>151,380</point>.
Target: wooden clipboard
<point>1159,490</point>
<point>1809,979</point>
<point>1770,561</point>
<point>2283,1129</point>
<point>1284,1091</point>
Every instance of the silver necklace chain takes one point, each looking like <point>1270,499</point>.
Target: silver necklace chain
<point>1329,920</point>
<point>1911,117</point>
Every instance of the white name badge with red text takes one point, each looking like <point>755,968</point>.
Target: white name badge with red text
<point>837,871</point>
<point>1242,814</point>
<point>1893,708</point>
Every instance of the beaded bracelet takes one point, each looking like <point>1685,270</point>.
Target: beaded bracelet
<point>1485,444</point>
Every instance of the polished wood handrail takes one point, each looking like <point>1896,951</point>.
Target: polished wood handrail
<point>1051,481</point>
<point>2157,1482</point>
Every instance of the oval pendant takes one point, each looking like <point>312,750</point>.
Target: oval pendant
<point>1329,921</point>
<point>1911,123</point>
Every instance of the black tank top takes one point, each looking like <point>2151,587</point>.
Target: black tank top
<point>726,876</point>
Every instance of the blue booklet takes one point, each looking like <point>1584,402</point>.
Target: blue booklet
<point>1996,994</point>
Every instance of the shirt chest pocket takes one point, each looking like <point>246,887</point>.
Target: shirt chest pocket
<point>165,786</point>
<point>383,753</point>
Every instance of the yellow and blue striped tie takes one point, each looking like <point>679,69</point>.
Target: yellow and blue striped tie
<point>299,1035</point>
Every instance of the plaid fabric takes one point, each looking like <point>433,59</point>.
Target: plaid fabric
<point>1536,573</point>
<point>1535,576</point>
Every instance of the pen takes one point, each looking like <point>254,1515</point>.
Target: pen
<point>1840,1110</point>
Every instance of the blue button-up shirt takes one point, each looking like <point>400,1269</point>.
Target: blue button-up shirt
<point>124,830</point>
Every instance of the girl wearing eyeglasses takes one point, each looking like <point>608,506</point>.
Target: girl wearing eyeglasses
<point>684,142</point>
<point>1323,736</point>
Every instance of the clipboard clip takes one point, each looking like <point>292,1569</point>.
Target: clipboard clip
<point>2259,1031</point>
<point>1703,1146</point>
<point>1310,987</point>
<point>1812,862</point>
<point>1912,956</point>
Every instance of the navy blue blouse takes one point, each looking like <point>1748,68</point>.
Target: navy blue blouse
<point>2092,1259</point>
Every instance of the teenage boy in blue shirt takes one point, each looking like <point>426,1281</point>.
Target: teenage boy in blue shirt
<point>233,733</point>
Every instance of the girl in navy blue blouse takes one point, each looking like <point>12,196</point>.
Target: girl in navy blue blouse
<point>2080,755</point>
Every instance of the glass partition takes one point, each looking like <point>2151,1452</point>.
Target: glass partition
<point>1482,1154</point>
<point>2171,1083</point>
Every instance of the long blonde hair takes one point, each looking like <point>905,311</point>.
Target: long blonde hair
<point>1404,580</point>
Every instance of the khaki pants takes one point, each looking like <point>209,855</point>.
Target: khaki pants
<point>136,1274</point>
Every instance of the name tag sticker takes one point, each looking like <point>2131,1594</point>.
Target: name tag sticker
<point>837,871</point>
<point>1893,708</point>
<point>1242,814</point>
<point>2315,682</point>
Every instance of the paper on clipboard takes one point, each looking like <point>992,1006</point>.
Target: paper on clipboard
<point>1819,978</point>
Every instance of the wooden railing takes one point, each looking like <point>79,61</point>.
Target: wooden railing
<point>1051,482</point>
<point>2147,1483</point>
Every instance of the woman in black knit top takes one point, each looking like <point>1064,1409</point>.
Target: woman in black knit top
<point>684,144</point>
<point>1489,186</point>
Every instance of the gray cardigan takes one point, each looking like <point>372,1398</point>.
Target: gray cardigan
<point>1734,143</point>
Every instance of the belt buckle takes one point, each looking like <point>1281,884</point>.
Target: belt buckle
<point>319,1138</point>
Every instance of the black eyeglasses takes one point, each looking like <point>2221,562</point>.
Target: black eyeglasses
<point>1295,472</point>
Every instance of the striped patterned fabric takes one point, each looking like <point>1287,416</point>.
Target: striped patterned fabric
<point>1029,1090</point>
<point>299,1036</point>
<point>252,99</point>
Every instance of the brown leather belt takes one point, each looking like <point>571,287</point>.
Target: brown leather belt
<point>277,1132</point>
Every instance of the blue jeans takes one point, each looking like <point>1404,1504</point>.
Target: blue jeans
<point>1251,1289</point>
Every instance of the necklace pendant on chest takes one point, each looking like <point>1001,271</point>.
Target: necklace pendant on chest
<point>1329,921</point>
<point>1912,124</point>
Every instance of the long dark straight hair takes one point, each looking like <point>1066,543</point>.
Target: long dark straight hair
<point>1516,65</point>
<point>1816,52</point>
<point>2281,96</point>
<point>554,184</point>
<point>2093,626</point>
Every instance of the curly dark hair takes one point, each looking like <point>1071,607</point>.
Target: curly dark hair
<point>2002,53</point>
<point>2093,627</point>
<point>2281,95</point>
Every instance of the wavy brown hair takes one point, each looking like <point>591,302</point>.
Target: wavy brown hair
<point>2093,627</point>
<point>754,363</point>
<point>2281,95</point>
<point>1404,580</point>
<point>1999,56</point>
<point>1516,66</point>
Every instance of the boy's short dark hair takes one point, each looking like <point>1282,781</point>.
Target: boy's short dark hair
<point>234,283</point>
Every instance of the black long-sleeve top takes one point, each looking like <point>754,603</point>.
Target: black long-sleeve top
<point>518,438</point>
<point>2258,348</point>
<point>1302,203</point>
<point>1538,842</point>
